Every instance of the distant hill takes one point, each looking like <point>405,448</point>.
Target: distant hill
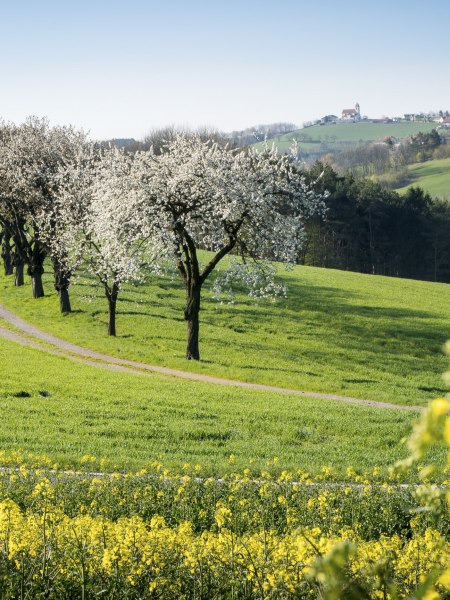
<point>433,176</point>
<point>318,140</point>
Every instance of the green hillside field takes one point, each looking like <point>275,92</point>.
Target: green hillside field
<point>433,176</point>
<point>331,138</point>
<point>365,336</point>
<point>65,410</point>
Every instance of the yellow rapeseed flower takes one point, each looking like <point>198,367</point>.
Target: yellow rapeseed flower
<point>440,406</point>
<point>444,579</point>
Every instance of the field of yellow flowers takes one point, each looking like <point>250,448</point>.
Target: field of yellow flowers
<point>159,534</point>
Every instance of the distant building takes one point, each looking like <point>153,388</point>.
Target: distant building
<point>351,114</point>
<point>416,117</point>
<point>328,119</point>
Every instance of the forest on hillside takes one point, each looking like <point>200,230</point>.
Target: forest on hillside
<point>370,229</point>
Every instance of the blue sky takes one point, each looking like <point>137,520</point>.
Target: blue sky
<point>119,69</point>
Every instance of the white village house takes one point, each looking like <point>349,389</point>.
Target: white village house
<point>351,114</point>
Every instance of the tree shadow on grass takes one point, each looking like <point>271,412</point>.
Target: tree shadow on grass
<point>349,326</point>
<point>150,302</point>
<point>149,314</point>
<point>397,335</point>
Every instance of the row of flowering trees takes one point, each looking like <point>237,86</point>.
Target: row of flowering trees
<point>122,214</point>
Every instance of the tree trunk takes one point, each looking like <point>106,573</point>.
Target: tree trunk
<point>6,253</point>
<point>18,273</point>
<point>18,262</point>
<point>112,300</point>
<point>191,315</point>
<point>64,301</point>
<point>62,283</point>
<point>36,283</point>
<point>36,269</point>
<point>7,263</point>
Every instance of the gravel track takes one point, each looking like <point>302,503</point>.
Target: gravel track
<point>31,336</point>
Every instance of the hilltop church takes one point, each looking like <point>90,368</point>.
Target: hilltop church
<point>351,114</point>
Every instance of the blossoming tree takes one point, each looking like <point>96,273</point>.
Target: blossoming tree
<point>100,227</point>
<point>199,195</point>
<point>31,155</point>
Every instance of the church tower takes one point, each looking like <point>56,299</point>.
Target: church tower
<point>358,110</point>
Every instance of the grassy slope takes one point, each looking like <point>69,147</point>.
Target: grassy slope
<point>75,409</point>
<point>433,176</point>
<point>341,134</point>
<point>366,336</point>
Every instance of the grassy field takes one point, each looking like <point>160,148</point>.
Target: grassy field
<point>370,337</point>
<point>66,410</point>
<point>433,176</point>
<point>365,336</point>
<point>329,138</point>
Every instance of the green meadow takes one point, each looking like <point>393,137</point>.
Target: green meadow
<point>433,176</point>
<point>365,336</point>
<point>330,138</point>
<point>51,405</point>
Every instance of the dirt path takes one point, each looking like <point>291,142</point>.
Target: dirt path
<point>103,361</point>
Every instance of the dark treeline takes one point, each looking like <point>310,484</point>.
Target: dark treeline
<point>369,229</point>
